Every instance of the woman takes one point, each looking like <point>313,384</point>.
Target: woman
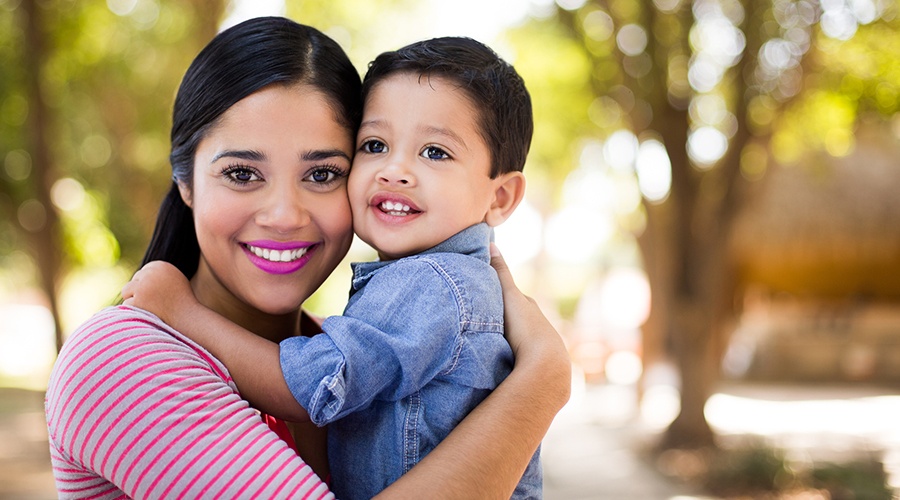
<point>262,137</point>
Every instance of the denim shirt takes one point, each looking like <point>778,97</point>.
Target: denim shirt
<point>420,344</point>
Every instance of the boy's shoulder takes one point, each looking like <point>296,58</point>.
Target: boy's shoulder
<point>453,264</point>
<point>428,270</point>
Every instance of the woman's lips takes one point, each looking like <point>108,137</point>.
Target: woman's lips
<point>279,257</point>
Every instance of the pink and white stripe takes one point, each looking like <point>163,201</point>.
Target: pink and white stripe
<point>135,410</point>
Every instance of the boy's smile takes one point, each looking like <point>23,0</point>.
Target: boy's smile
<point>393,205</point>
<point>421,170</point>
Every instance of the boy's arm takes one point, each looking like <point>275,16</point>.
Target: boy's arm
<point>390,341</point>
<point>252,361</point>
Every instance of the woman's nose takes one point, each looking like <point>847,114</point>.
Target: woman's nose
<point>284,212</point>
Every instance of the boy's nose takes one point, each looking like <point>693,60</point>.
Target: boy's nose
<point>396,174</point>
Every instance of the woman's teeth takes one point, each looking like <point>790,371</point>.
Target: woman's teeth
<point>277,255</point>
<point>395,208</point>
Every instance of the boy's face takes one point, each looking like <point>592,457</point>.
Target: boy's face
<point>421,170</point>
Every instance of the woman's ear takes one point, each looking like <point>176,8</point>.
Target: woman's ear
<point>509,189</point>
<point>185,192</point>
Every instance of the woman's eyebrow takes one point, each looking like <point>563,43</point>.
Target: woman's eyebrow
<point>323,154</point>
<point>252,155</point>
<point>240,154</point>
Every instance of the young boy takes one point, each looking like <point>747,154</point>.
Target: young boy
<point>446,128</point>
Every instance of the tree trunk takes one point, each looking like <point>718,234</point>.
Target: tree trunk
<point>45,237</point>
<point>696,363</point>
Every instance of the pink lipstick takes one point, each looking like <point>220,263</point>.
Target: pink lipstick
<point>279,257</point>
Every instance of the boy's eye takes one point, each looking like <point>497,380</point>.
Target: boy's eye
<point>434,153</point>
<point>374,146</point>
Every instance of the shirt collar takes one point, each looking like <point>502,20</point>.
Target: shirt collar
<point>472,241</point>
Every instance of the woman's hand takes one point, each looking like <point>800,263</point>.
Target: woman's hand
<point>528,331</point>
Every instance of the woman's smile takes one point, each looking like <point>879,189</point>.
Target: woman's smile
<point>276,257</point>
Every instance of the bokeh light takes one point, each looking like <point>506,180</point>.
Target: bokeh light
<point>707,145</point>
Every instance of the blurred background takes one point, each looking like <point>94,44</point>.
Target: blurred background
<point>711,220</point>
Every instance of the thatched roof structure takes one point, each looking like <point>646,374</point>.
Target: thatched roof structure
<point>829,227</point>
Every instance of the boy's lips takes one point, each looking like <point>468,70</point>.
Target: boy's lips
<point>394,204</point>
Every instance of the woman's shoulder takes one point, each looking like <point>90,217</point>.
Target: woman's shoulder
<point>117,325</point>
<point>119,315</point>
<point>124,335</point>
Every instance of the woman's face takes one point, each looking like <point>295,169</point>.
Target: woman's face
<point>270,203</point>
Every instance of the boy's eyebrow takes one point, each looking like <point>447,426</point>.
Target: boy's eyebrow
<point>446,132</point>
<point>428,130</point>
<point>372,123</point>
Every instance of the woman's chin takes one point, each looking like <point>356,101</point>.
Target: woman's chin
<point>275,306</point>
<point>280,309</point>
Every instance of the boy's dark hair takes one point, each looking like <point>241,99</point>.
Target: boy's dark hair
<point>497,91</point>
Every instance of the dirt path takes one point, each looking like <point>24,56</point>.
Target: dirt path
<point>25,472</point>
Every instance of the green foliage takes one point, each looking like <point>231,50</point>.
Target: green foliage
<point>857,480</point>
<point>558,73</point>
<point>758,470</point>
<point>109,80</point>
<point>847,79</point>
<point>754,469</point>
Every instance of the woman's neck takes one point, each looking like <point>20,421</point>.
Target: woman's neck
<point>274,327</point>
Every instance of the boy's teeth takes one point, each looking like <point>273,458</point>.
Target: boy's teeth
<point>277,255</point>
<point>395,207</point>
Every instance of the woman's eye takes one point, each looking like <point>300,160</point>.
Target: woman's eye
<point>326,175</point>
<point>241,175</point>
<point>321,176</point>
<point>373,146</point>
<point>435,153</point>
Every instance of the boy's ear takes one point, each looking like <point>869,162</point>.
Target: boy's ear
<point>509,189</point>
<point>185,193</point>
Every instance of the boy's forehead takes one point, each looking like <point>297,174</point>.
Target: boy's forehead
<point>437,86</point>
<point>434,81</point>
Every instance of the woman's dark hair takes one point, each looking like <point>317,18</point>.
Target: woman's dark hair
<point>497,91</point>
<point>239,61</point>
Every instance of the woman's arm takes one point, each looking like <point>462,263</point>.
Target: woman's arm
<point>487,453</point>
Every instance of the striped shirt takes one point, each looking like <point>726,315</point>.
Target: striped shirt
<point>136,410</point>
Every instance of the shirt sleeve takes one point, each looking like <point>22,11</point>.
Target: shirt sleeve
<point>133,410</point>
<point>397,333</point>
